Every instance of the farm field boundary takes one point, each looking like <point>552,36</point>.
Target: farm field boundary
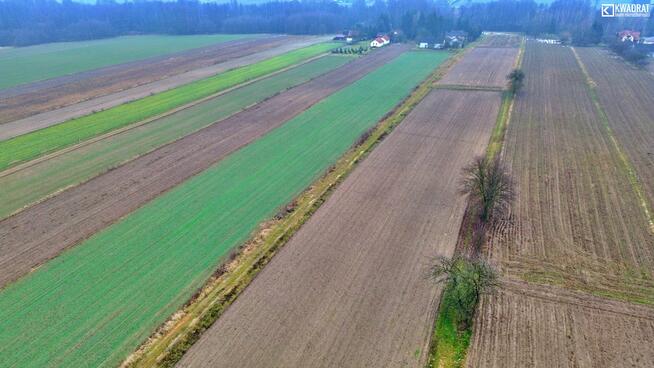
<point>161,260</point>
<point>56,59</point>
<point>100,202</point>
<point>37,143</point>
<point>44,177</point>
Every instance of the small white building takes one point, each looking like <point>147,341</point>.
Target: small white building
<point>423,45</point>
<point>380,41</point>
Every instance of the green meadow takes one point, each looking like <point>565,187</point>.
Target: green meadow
<point>29,64</point>
<point>28,186</point>
<point>95,303</point>
<point>29,146</point>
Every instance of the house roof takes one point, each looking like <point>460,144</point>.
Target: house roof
<point>627,33</point>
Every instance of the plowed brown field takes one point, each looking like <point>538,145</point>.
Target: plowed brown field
<point>482,67</point>
<point>39,233</point>
<point>523,325</point>
<point>349,290</point>
<point>54,101</point>
<point>577,220</point>
<point>627,97</point>
<point>500,40</point>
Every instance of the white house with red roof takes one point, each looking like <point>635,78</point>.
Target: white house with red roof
<point>380,41</point>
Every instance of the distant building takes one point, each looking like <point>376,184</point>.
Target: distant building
<point>423,45</point>
<point>438,46</point>
<point>339,38</point>
<point>380,41</point>
<point>629,36</point>
<point>647,40</point>
<point>455,39</point>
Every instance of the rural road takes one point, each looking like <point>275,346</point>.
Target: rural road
<point>49,118</point>
<point>349,289</point>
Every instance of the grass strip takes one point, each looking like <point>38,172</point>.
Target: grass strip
<point>33,63</point>
<point>29,146</point>
<point>168,345</point>
<point>25,187</point>
<point>99,301</point>
<point>449,346</point>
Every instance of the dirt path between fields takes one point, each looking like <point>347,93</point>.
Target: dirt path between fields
<point>349,290</point>
<point>140,81</point>
<point>39,233</point>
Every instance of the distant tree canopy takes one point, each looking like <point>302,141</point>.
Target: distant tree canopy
<point>27,22</point>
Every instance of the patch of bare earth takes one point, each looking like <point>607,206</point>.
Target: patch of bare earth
<point>524,325</point>
<point>55,101</point>
<point>482,67</point>
<point>42,231</point>
<point>349,289</point>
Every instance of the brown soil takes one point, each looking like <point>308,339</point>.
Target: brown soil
<point>576,220</point>
<point>61,99</point>
<point>500,40</point>
<point>627,96</point>
<point>523,325</point>
<point>349,290</point>
<point>39,233</point>
<point>483,67</point>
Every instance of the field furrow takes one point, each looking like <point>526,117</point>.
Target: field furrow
<point>29,238</point>
<point>96,302</point>
<point>349,289</point>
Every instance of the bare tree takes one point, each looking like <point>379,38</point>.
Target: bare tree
<point>489,186</point>
<point>466,280</point>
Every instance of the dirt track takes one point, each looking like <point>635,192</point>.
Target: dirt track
<point>109,89</point>
<point>482,67</point>
<point>523,325</point>
<point>349,290</point>
<point>39,233</point>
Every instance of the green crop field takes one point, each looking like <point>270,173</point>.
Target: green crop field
<point>28,186</point>
<point>95,303</point>
<point>32,145</point>
<point>29,64</point>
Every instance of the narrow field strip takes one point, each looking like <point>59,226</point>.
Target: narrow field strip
<point>32,145</point>
<point>97,302</point>
<point>28,64</point>
<point>30,185</point>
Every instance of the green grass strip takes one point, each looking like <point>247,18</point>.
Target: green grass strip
<point>29,64</point>
<point>452,346</point>
<point>28,186</point>
<point>97,302</point>
<point>34,144</point>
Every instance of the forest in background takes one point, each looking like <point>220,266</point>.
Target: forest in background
<point>29,22</point>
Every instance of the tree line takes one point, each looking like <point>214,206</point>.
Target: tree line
<point>28,22</point>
